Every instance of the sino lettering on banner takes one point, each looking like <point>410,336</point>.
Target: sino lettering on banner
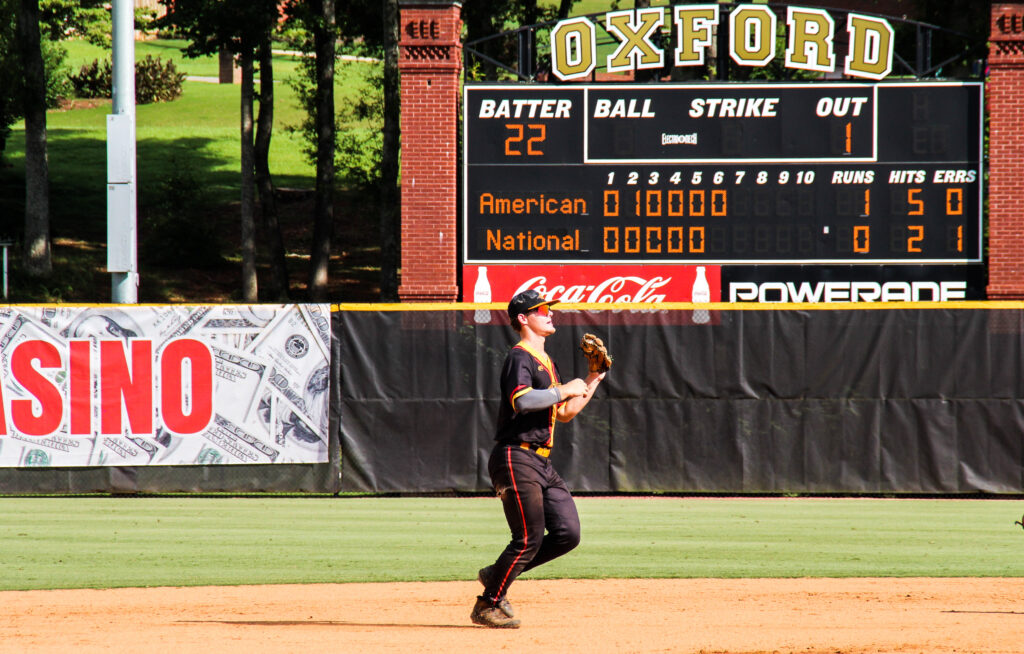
<point>164,385</point>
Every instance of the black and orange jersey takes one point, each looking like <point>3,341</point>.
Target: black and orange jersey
<point>526,369</point>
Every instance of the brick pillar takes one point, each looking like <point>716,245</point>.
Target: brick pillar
<point>430,63</point>
<point>228,71</point>
<point>1005,99</point>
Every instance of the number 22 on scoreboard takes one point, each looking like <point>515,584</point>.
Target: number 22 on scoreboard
<point>534,134</point>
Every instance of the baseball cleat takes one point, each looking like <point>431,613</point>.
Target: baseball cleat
<point>487,614</point>
<point>483,577</point>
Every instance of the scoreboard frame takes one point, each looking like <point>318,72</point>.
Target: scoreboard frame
<point>579,164</point>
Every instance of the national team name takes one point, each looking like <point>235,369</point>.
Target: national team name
<point>529,242</point>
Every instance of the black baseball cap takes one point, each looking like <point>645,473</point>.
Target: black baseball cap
<point>526,302</point>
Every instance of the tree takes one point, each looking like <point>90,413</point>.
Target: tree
<point>371,26</point>
<point>86,19</point>
<point>250,287</point>
<point>390,198</point>
<point>31,80</point>
<point>324,36</point>
<point>10,71</point>
<point>58,19</point>
<point>486,19</point>
<point>483,19</point>
<point>366,159</point>
<point>36,255</point>
<point>279,283</point>
<point>370,161</point>
<point>240,27</point>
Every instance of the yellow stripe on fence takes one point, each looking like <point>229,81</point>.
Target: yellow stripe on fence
<point>687,306</point>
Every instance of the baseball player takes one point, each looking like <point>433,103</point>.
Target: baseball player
<point>534,496</point>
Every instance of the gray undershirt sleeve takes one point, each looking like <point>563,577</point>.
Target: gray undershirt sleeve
<point>538,399</point>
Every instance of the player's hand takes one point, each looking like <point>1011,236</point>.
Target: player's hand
<point>574,388</point>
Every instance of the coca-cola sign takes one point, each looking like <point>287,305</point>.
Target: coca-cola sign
<point>602,284</point>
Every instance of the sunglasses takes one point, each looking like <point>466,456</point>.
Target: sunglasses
<point>544,309</point>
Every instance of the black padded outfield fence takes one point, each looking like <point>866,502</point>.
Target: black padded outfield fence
<point>860,399</point>
<point>792,399</point>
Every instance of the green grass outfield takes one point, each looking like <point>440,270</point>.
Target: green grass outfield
<point>100,542</point>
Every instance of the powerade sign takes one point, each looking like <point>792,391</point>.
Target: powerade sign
<point>775,284</point>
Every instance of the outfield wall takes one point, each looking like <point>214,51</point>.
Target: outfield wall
<point>811,399</point>
<point>895,398</point>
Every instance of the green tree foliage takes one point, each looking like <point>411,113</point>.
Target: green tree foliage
<point>365,131</point>
<point>12,81</point>
<point>210,25</point>
<point>359,138</point>
<point>483,18</point>
<point>244,28</point>
<point>85,19</point>
<point>10,73</point>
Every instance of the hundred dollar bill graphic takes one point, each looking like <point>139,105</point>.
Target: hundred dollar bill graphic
<point>239,376</point>
<point>177,324</point>
<point>237,443</point>
<point>124,450</point>
<point>269,384</point>
<point>238,326</point>
<point>102,323</point>
<point>318,317</point>
<point>299,369</point>
<point>23,327</point>
<point>288,425</point>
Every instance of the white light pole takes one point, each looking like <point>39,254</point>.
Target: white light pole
<point>121,173</point>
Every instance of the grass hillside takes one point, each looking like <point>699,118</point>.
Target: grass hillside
<point>188,194</point>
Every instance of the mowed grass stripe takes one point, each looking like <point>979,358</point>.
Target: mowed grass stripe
<point>100,542</point>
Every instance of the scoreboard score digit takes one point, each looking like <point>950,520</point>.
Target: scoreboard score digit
<point>831,173</point>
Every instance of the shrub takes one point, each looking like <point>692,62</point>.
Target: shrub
<point>155,80</point>
<point>56,71</point>
<point>93,81</point>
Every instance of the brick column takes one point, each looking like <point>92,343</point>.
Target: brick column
<point>1005,99</point>
<point>430,63</point>
<point>228,71</point>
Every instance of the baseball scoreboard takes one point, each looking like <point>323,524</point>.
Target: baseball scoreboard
<point>812,173</point>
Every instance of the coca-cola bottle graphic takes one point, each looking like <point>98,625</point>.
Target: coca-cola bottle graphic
<point>482,294</point>
<point>701,294</point>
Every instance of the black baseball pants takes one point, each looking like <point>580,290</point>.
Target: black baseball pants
<point>536,500</point>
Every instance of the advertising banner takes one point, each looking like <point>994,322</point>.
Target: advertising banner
<point>853,283</point>
<point>164,385</point>
<point>595,283</point>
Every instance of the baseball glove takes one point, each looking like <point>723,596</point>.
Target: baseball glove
<point>597,355</point>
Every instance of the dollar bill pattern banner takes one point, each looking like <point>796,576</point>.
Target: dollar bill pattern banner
<point>257,382</point>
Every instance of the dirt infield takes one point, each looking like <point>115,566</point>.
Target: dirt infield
<point>677,615</point>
